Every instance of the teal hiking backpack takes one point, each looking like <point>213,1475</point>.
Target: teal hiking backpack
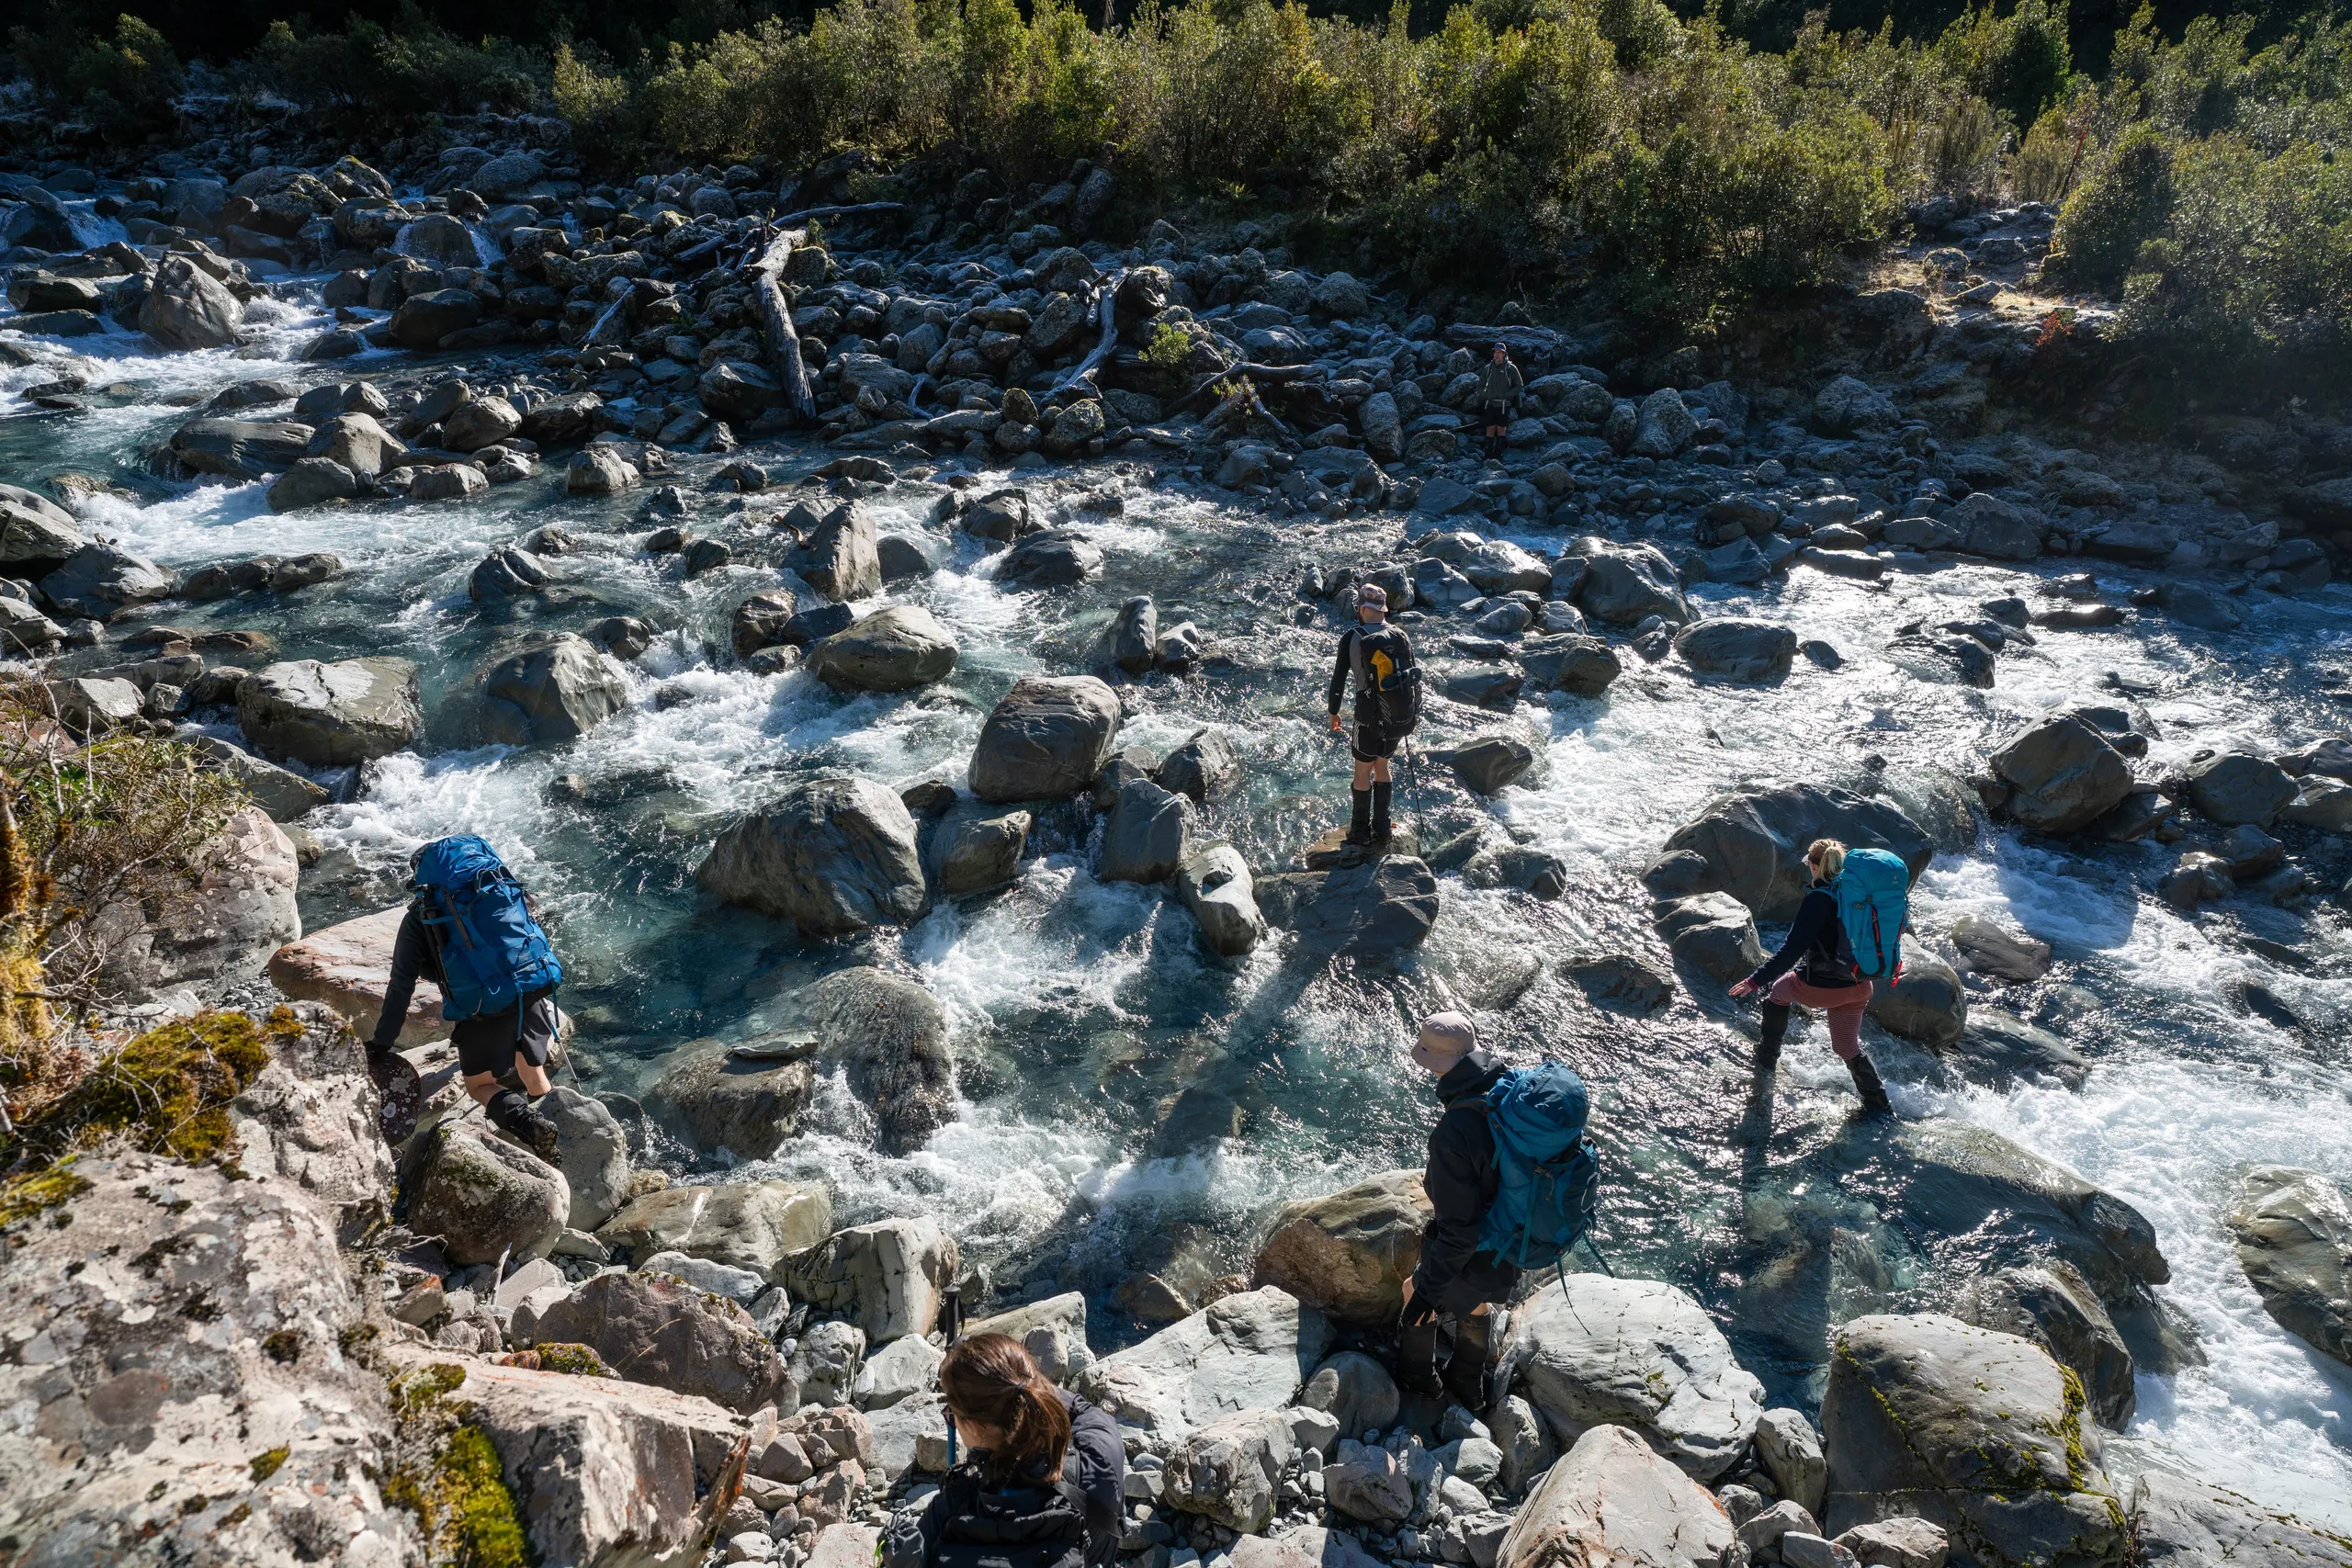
<point>1549,1170</point>
<point>1874,892</point>
<point>492,952</point>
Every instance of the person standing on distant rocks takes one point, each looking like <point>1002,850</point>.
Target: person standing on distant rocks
<point>1380,658</point>
<point>1816,968</point>
<point>1499,384</point>
<point>1454,1278</point>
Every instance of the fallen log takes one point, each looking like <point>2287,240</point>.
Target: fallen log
<point>1106,307</point>
<point>775,316</point>
<point>856,209</point>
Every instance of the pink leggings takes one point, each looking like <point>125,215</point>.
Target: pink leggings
<point>1844,1004</point>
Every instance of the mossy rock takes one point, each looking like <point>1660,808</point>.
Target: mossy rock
<point>166,1092</point>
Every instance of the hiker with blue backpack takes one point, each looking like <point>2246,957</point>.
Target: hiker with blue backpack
<point>1512,1181</point>
<point>1848,934</point>
<point>471,930</point>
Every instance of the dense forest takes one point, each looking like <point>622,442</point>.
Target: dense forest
<point>1694,165</point>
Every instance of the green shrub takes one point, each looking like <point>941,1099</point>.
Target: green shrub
<point>125,84</point>
<point>2123,204</point>
<point>369,76</point>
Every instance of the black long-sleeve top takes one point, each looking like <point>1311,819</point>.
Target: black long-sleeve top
<point>1817,939</point>
<point>413,958</point>
<point>1096,1465</point>
<point>1460,1180</point>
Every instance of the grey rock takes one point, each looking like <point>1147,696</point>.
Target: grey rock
<point>1641,1355</point>
<point>1713,934</point>
<point>2063,775</point>
<point>288,796</point>
<point>1928,1003</point>
<point>670,1335</point>
<point>1611,1499</point>
<point>1348,1254</point>
<point>1249,1350</point>
<point>1490,763</point>
<point>551,694</point>
<point>2177,1522</point>
<point>893,649</point>
<point>887,1278</point>
<point>2293,1230</point>
<point>599,471</point>
<point>1791,1450</point>
<point>100,582</point>
<point>1203,768</point>
<point>742,1224</point>
<point>1750,652</point>
<point>838,559</point>
<point>975,853</point>
<point>1978,1433</point>
<point>1377,908</point>
<point>1147,835</point>
<point>331,715</point>
<point>485,1197</point>
<point>890,1035</point>
<point>721,1102</point>
<point>1357,1391</point>
<point>1056,557</point>
<point>1047,737</point>
<point>187,308</point>
<point>2235,787</point>
<point>1214,883</point>
<point>1627,584</point>
<point>1582,665</point>
<point>833,854</point>
<point>2052,1306</point>
<point>312,481</point>
<point>593,1156</point>
<point>1229,1471</point>
<point>1752,844</point>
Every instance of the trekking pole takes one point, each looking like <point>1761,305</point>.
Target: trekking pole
<point>951,1323</point>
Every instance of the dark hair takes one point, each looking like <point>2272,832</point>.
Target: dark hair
<point>990,1378</point>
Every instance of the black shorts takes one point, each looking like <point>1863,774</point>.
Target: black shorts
<point>489,1042</point>
<point>1497,416</point>
<point>1369,742</point>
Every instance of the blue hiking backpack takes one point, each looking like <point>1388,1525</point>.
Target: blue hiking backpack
<point>492,952</point>
<point>1549,1171</point>
<point>1873,892</point>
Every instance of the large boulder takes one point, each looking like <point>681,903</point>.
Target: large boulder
<point>1348,1254</point>
<point>221,930</point>
<point>597,470</point>
<point>312,481</point>
<point>2061,774</point>
<point>602,1471</point>
<point>1730,648</point>
<point>1047,737</point>
<point>348,966</point>
<point>2181,1523</point>
<point>1955,1179</point>
<point>2294,1239</point>
<point>1928,1003</point>
<point>308,1118</point>
<point>354,442</point>
<point>1611,1501</point>
<point>101,581</point>
<point>894,649</point>
<point>1713,934</point>
<point>2236,788</point>
<point>1639,1354</point>
<point>838,559</point>
<point>34,530</point>
<point>973,852</point>
<point>1053,1331</point>
<point>740,1225</point>
<point>187,308</point>
<point>1311,1547</point>
<point>1627,584</point>
<point>1991,526</point>
<point>1230,1471</point>
<point>594,1155</point>
<point>422,321</point>
<point>1249,1350</point>
<point>485,1197</point>
<point>183,1388</point>
<point>241,449</point>
<point>720,1101</point>
<point>331,715</point>
<point>1355,1390</point>
<point>891,1037</point>
<point>1147,835</point>
<point>1572,662</point>
<point>1056,557</point>
<point>1753,844</point>
<point>1214,884</point>
<point>834,855</point>
<point>1980,1433</point>
<point>668,1334</point>
<point>555,692</point>
<point>887,1278</point>
<point>2052,1306</point>
<point>1377,908</point>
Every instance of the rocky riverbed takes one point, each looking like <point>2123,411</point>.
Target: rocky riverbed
<point>925,784</point>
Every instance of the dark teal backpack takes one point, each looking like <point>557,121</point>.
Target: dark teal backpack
<point>492,952</point>
<point>1549,1172</point>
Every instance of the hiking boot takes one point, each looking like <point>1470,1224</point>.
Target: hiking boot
<point>1767,1040</point>
<point>1417,1358</point>
<point>1874,1092</point>
<point>537,1133</point>
<point>1466,1373</point>
<point>1358,818</point>
<point>1381,829</point>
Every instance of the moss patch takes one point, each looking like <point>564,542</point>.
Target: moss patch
<point>580,1360</point>
<point>26,1196</point>
<point>166,1092</point>
<point>266,1462</point>
<point>448,1472</point>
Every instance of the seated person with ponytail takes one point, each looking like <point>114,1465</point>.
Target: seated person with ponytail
<point>1039,1480</point>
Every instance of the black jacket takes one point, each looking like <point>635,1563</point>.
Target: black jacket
<point>1453,1275</point>
<point>1096,1465</point>
<point>412,957</point>
<point>1817,940</point>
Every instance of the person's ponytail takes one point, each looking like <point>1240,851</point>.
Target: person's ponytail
<point>990,1378</point>
<point>1827,857</point>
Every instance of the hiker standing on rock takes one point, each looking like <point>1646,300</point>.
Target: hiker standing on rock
<point>1388,704</point>
<point>1042,1485</point>
<point>1512,1181</point>
<point>471,930</point>
<point>1848,928</point>
<point>1499,384</point>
